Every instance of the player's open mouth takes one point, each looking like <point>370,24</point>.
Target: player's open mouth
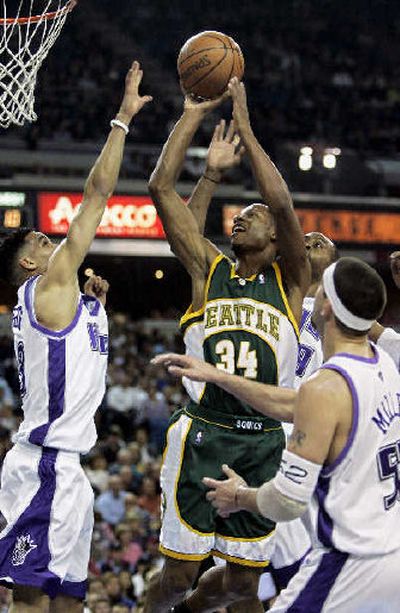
<point>238,228</point>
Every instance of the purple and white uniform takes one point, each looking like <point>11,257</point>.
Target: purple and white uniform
<point>292,541</point>
<point>389,341</point>
<point>354,516</point>
<point>45,496</point>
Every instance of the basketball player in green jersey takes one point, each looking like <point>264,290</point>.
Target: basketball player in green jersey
<point>244,319</point>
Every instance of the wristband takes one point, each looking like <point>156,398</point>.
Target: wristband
<point>210,179</point>
<point>116,123</point>
<point>297,477</point>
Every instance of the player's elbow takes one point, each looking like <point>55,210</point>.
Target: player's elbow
<point>159,184</point>
<point>98,185</point>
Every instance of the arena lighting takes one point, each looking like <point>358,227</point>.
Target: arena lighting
<point>306,150</point>
<point>159,274</point>
<point>305,162</point>
<point>329,161</point>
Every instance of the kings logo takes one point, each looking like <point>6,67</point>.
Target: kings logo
<point>23,546</point>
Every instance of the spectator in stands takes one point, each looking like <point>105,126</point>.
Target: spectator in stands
<point>110,504</point>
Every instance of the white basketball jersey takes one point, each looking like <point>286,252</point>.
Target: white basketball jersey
<point>310,355</point>
<point>61,374</point>
<point>389,341</point>
<point>356,504</point>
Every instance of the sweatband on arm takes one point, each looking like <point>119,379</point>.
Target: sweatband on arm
<point>287,496</point>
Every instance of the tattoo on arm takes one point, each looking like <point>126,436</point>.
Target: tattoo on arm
<point>298,437</point>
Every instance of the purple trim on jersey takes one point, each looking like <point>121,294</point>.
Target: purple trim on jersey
<point>324,520</point>
<point>359,358</point>
<point>316,591</point>
<point>94,308</point>
<point>74,589</point>
<point>56,388</point>
<point>32,316</point>
<point>328,468</point>
<point>33,522</point>
<point>283,575</point>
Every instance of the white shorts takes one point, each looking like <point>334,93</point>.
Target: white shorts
<point>47,502</point>
<point>292,543</point>
<point>330,581</point>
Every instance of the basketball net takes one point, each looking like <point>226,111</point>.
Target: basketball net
<point>25,41</point>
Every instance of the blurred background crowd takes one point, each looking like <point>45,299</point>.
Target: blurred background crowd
<point>314,70</point>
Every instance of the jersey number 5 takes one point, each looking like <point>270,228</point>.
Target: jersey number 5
<point>245,359</point>
<point>389,467</point>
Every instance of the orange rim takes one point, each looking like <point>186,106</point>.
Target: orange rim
<point>36,18</point>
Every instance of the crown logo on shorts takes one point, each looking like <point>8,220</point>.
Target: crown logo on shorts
<point>23,546</point>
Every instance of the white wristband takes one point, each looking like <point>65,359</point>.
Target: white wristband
<point>296,478</point>
<point>116,123</point>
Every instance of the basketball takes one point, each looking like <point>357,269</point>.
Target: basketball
<point>206,63</point>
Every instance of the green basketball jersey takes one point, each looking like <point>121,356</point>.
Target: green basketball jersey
<point>245,327</point>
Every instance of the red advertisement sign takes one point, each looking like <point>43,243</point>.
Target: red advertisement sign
<point>363,227</point>
<point>124,217</point>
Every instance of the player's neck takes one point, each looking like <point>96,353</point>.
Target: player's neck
<point>312,290</point>
<point>248,264</point>
<point>336,342</point>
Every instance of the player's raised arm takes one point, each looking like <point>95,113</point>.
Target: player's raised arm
<point>180,226</point>
<point>100,185</point>
<point>224,153</point>
<point>275,194</point>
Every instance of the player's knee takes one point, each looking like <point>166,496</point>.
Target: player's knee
<point>176,579</point>
<point>30,598</point>
<point>241,583</point>
<point>61,604</point>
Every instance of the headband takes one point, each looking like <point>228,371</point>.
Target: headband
<point>342,313</point>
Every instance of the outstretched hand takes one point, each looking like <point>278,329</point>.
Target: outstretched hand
<point>132,101</point>
<point>97,287</point>
<point>222,494</point>
<point>225,150</point>
<point>204,107</point>
<point>240,111</point>
<point>187,366</point>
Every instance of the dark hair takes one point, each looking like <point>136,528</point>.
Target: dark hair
<point>9,249</point>
<point>360,289</point>
<point>335,253</point>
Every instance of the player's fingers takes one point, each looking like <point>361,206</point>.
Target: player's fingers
<point>223,514</point>
<point>176,371</point>
<point>210,482</point>
<point>228,471</point>
<point>164,358</point>
<point>211,495</point>
<point>231,132</point>
<point>215,136</point>
<point>221,129</point>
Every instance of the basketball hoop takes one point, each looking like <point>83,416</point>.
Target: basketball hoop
<point>25,40</point>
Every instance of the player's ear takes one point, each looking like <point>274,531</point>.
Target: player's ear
<point>27,263</point>
<point>326,309</point>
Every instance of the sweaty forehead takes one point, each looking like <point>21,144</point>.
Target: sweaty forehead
<point>257,207</point>
<point>314,236</point>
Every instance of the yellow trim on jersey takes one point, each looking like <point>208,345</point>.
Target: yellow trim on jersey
<point>207,421</point>
<point>177,511</point>
<point>183,556</point>
<point>189,313</point>
<point>245,540</point>
<point>214,423</point>
<point>241,561</point>
<point>290,315</point>
<point>235,274</point>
